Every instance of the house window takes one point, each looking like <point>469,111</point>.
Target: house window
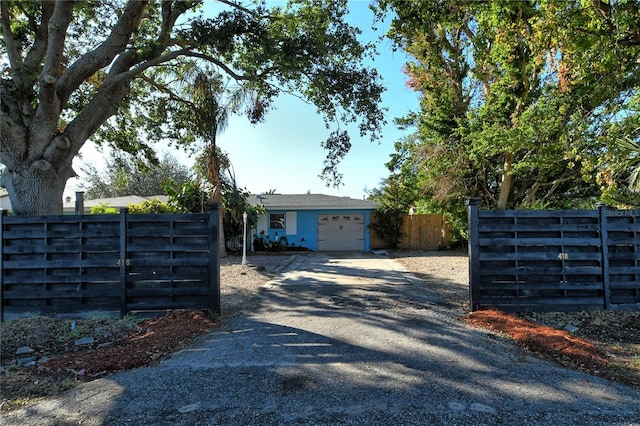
<point>276,221</point>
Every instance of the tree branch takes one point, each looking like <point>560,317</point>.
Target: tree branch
<point>39,47</point>
<point>104,54</point>
<point>134,72</point>
<point>15,60</point>
<point>49,104</point>
<point>164,89</point>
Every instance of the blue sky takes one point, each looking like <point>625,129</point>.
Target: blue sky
<point>284,154</point>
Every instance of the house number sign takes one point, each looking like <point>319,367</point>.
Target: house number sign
<point>563,256</point>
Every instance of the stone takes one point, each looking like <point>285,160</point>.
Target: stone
<point>28,361</point>
<point>190,408</point>
<point>23,350</point>
<point>571,328</point>
<point>85,341</point>
<point>482,408</point>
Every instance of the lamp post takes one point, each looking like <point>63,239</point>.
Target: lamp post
<point>244,238</point>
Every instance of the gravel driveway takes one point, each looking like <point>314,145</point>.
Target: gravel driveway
<point>344,340</point>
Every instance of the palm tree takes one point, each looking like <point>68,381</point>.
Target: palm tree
<point>211,117</point>
<point>633,162</point>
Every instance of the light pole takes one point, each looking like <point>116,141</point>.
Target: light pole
<point>244,238</point>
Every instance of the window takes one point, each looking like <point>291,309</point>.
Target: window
<point>276,221</point>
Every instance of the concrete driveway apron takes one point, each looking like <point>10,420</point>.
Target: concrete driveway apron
<point>345,339</point>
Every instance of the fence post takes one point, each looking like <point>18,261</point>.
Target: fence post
<point>474,252</point>
<point>214,258</point>
<point>604,252</point>
<point>122,262</point>
<point>3,213</point>
<point>79,209</point>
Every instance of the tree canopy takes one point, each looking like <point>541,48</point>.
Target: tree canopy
<point>522,102</point>
<point>112,72</point>
<point>122,177</point>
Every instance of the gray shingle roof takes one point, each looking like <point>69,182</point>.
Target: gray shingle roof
<point>309,202</point>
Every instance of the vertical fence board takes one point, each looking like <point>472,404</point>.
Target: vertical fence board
<point>214,265</point>
<point>474,253</point>
<point>122,262</point>
<point>604,245</point>
<point>3,213</point>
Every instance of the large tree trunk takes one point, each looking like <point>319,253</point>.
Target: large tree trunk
<point>507,181</point>
<point>35,190</point>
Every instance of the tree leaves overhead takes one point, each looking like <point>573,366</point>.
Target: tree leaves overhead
<point>522,102</point>
<point>306,50</point>
<point>113,71</point>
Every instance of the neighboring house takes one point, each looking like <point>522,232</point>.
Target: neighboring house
<point>5,203</point>
<point>69,205</point>
<point>315,221</point>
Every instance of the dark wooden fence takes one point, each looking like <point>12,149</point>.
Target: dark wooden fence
<point>527,260</point>
<point>68,265</point>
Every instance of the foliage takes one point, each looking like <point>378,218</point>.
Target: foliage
<point>388,225</point>
<point>151,206</point>
<point>398,194</point>
<point>188,197</point>
<point>123,176</point>
<point>110,71</point>
<point>632,150</point>
<point>522,103</point>
<point>104,208</point>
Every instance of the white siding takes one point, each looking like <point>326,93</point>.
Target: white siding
<point>291,223</point>
<point>263,224</point>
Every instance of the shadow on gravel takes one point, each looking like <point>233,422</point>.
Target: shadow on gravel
<point>348,341</point>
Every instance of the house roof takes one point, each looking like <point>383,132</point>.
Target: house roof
<point>116,202</point>
<point>309,202</point>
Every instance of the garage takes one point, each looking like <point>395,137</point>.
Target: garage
<point>337,232</point>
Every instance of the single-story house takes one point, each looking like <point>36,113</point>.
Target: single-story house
<point>315,221</point>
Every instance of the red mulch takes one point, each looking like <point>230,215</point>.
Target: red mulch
<point>543,340</point>
<point>154,338</point>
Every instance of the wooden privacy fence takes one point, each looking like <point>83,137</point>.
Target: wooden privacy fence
<point>565,260</point>
<point>419,232</point>
<point>123,263</point>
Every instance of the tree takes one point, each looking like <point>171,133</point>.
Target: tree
<point>107,71</point>
<point>522,103</point>
<point>633,161</point>
<point>233,199</point>
<point>122,176</point>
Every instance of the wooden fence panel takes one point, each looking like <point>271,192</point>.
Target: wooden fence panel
<point>168,260</point>
<point>420,232</point>
<point>623,259</point>
<point>553,260</point>
<point>117,263</point>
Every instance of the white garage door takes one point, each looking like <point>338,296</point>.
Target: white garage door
<point>340,232</point>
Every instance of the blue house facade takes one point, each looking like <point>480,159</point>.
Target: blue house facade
<point>315,221</point>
